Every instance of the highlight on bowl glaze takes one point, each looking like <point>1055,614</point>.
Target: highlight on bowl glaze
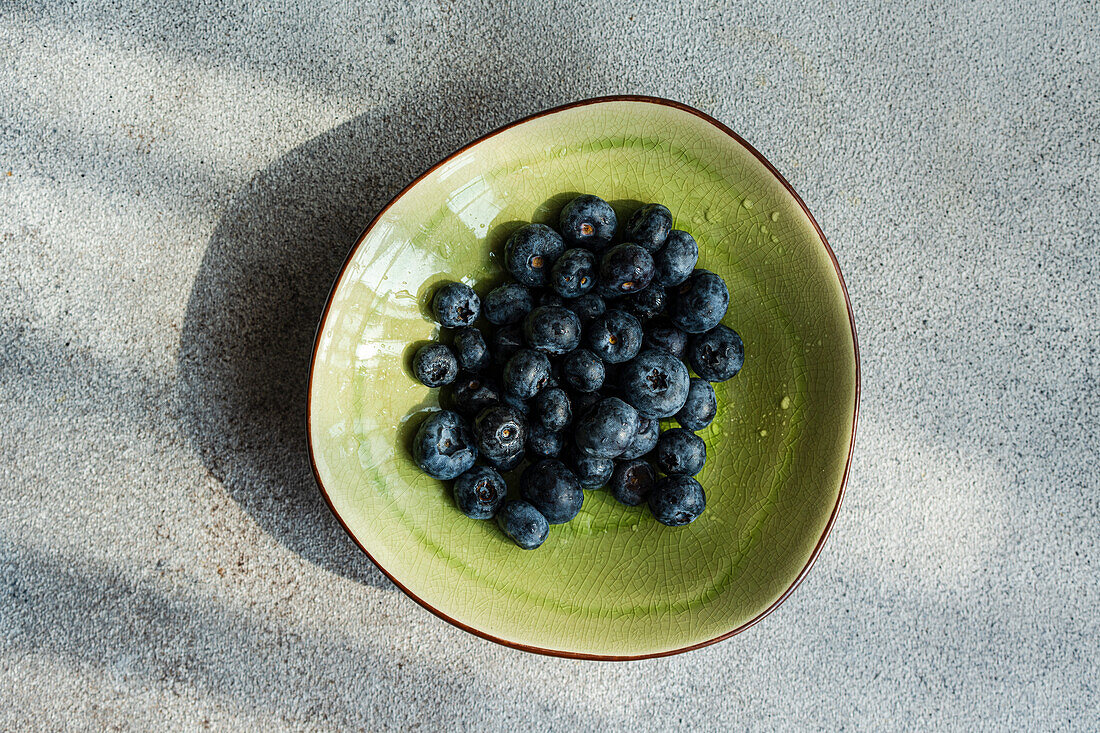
<point>613,583</point>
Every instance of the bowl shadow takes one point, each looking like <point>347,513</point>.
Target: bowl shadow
<point>247,336</point>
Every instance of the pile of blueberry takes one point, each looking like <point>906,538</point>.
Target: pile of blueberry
<point>581,357</point>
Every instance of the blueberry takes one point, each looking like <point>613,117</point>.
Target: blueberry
<point>480,492</point>
<point>649,226</point>
<point>435,365</point>
<point>677,500</point>
<point>471,350</point>
<point>700,302</point>
<point>553,489</point>
<point>552,329</point>
<point>632,482</point>
<point>616,336</point>
<point>543,442</point>
<point>717,355</point>
<point>588,221</point>
<point>625,268</point>
<point>674,262</point>
<point>655,383</point>
<point>584,401</point>
<point>506,342</point>
<point>680,452</point>
<point>701,405</point>
<point>524,524</point>
<point>508,303</point>
<point>472,393</point>
<point>444,447</point>
<point>645,439</point>
<point>583,370</point>
<point>607,429</point>
<point>549,297</point>
<point>500,432</point>
<point>644,305</point>
<point>553,408</point>
<point>574,274</point>
<point>456,305</point>
<point>507,463</point>
<point>592,473</point>
<point>661,334</point>
<point>587,307</point>
<point>530,253</point>
<point>526,373</point>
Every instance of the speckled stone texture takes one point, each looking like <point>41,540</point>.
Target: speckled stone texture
<point>179,182</point>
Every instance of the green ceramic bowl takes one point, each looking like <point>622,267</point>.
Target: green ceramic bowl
<point>612,583</point>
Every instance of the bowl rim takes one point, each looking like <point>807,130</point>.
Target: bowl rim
<point>855,414</point>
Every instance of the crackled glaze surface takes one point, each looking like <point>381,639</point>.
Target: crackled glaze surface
<point>612,581</point>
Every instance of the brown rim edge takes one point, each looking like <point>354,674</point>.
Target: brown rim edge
<point>855,415</point>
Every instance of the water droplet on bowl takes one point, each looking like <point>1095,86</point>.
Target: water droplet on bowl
<point>775,216</point>
<point>763,433</point>
<point>785,403</point>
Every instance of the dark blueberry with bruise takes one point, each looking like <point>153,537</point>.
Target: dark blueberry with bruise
<point>583,370</point>
<point>645,439</point>
<point>632,482</point>
<point>588,221</point>
<point>674,262</point>
<point>700,302</point>
<point>435,365</point>
<point>625,269</point>
<point>479,493</point>
<point>644,305</point>
<point>543,442</point>
<point>649,226</point>
<point>677,500</point>
<point>530,253</point>
<point>527,372</point>
<point>472,393</point>
<point>615,337</point>
<point>607,429</point>
<point>444,447</point>
<point>680,452</point>
<point>500,432</point>
<point>471,350</point>
<point>523,524</point>
<point>506,342</point>
<point>717,355</point>
<point>553,408</point>
<point>456,305</point>
<point>508,303</point>
<point>592,473</point>
<point>587,307</point>
<point>552,489</point>
<point>552,329</point>
<point>700,407</point>
<point>574,274</point>
<point>661,334</point>
<point>655,383</point>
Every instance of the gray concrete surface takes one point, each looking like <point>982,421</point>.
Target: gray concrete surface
<point>179,181</point>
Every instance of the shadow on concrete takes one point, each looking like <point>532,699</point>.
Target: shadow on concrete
<point>250,321</point>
